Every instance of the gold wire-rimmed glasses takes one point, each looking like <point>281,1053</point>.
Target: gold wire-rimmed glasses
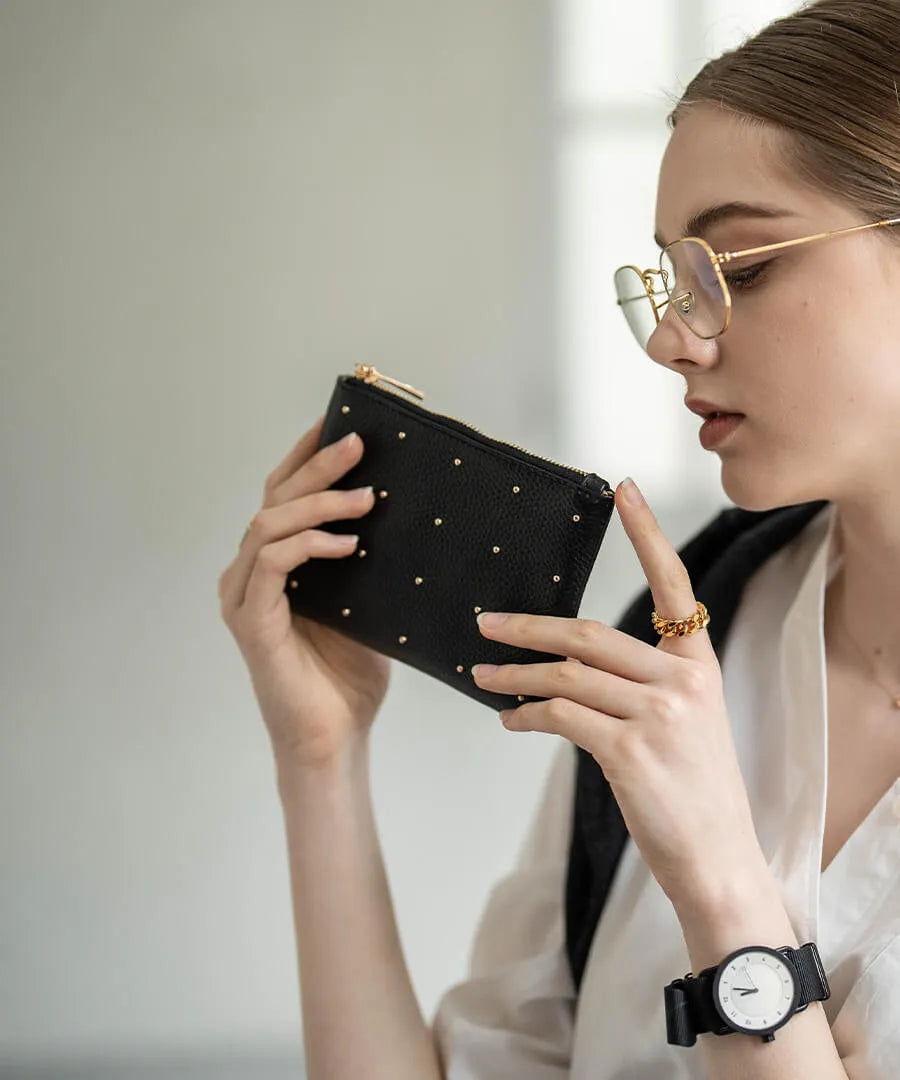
<point>693,281</point>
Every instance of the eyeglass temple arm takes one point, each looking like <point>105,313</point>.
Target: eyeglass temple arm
<point>643,296</point>
<point>727,256</point>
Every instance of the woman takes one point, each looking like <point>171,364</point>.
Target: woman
<point>716,753</point>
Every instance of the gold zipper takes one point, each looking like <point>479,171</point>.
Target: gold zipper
<point>369,374</point>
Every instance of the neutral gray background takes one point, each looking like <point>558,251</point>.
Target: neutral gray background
<point>209,211</point>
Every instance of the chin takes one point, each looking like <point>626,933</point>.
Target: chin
<point>760,491</point>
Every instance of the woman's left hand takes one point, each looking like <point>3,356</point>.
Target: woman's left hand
<point>653,718</point>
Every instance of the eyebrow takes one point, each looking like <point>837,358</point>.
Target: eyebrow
<point>713,215</point>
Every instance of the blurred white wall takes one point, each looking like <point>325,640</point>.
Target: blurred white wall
<point>210,210</point>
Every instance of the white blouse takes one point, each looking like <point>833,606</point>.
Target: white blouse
<point>517,1016</point>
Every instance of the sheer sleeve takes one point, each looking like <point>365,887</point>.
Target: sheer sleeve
<point>512,1017</point>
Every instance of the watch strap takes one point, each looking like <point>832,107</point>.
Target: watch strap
<point>808,965</point>
<point>691,1011</point>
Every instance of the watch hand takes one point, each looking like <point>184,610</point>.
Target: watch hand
<point>744,991</point>
<point>749,976</point>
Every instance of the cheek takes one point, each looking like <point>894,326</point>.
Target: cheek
<point>852,329</point>
<point>811,348</point>
<point>824,369</point>
<point>786,344</point>
<point>821,374</point>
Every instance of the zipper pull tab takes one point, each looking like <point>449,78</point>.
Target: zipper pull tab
<point>593,488</point>
<point>368,374</point>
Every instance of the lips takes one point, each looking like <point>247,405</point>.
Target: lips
<point>708,409</point>
<point>717,429</point>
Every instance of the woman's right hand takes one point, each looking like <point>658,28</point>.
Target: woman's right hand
<point>318,690</point>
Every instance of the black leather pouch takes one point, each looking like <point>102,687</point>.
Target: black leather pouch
<point>461,523</point>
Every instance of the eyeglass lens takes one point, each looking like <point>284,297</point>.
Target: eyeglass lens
<point>690,283</point>
<point>635,303</point>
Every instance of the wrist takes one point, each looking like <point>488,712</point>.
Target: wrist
<point>714,891</point>
<point>724,914</point>
<point>301,770</point>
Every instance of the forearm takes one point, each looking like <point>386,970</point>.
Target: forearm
<point>754,914</point>
<point>360,1013</point>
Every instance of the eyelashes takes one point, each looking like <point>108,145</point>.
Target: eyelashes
<point>744,279</point>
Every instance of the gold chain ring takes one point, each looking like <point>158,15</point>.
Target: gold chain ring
<point>681,627</point>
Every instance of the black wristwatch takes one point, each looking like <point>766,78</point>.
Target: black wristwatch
<point>755,990</point>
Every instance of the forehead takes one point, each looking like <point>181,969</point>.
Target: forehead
<point>715,157</point>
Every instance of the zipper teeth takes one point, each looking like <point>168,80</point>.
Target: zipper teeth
<point>472,427</point>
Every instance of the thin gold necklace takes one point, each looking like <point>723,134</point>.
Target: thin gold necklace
<point>895,699</point>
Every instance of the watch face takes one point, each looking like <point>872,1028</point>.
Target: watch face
<point>755,990</point>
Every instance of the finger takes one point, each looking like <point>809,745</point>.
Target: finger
<point>617,697</point>
<point>300,453</point>
<point>584,641</point>
<point>265,587</point>
<point>281,522</point>
<point>322,471</point>
<point>669,581</point>
<point>591,730</point>
<point>317,475</point>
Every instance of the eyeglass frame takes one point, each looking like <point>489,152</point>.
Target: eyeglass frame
<point>718,259</point>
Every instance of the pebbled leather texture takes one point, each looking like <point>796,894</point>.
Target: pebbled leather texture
<point>534,530</point>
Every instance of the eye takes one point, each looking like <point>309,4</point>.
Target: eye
<point>743,279</point>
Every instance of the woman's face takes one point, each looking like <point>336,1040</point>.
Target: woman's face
<point>812,353</point>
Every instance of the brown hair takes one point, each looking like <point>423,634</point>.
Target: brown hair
<point>827,76</point>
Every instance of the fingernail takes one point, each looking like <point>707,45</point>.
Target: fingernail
<point>631,492</point>
<point>350,439</point>
<point>479,670</point>
<point>491,618</point>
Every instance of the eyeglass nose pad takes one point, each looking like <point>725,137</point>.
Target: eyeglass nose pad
<point>685,302</point>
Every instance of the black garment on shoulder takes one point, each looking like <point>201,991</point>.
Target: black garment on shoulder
<point>719,559</point>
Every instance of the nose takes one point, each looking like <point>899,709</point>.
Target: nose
<point>674,346</point>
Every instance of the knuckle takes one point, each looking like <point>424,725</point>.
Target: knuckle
<point>588,631</point>
<point>226,609</point>
<point>630,751</point>
<point>257,525</point>
<point>665,706</point>
<point>564,674</point>
<point>225,588</point>
<point>692,679</point>
<point>268,557</point>
<point>557,710</point>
